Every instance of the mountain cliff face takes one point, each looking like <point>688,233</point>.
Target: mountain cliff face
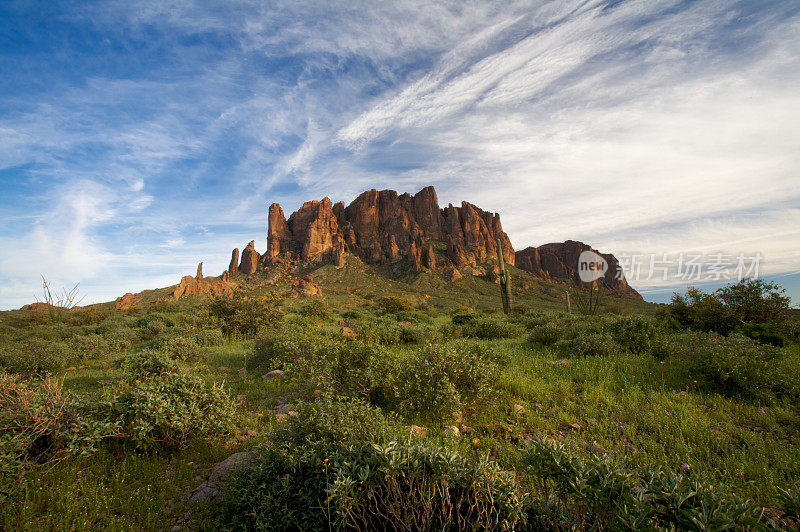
<point>559,261</point>
<point>382,227</point>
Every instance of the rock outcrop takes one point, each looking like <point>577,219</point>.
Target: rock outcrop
<point>559,262</point>
<point>249,259</point>
<point>382,227</point>
<point>304,287</point>
<point>198,286</point>
<point>126,302</point>
<point>233,267</point>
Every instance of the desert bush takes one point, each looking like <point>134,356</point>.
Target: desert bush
<point>736,365</point>
<point>383,330</point>
<point>316,308</point>
<point>750,306</point>
<point>436,378</point>
<point>462,318</point>
<point>491,328</point>
<point>293,343</point>
<point>32,418</point>
<point>633,333</point>
<point>419,335</point>
<point>422,485</point>
<point>415,316</point>
<point>91,346</point>
<point>342,464</point>
<point>450,331</point>
<point>154,324</point>
<point>35,355</point>
<point>546,334</point>
<point>246,316</point>
<point>122,339</point>
<point>158,403</point>
<point>590,345</point>
<point>395,304</point>
<point>209,337</point>
<point>285,486</point>
<point>598,492</point>
<point>181,348</point>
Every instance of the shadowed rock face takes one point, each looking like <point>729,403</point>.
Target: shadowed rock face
<point>559,261</point>
<point>383,227</point>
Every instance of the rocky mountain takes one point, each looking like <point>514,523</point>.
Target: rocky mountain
<point>559,262</point>
<point>384,227</point>
<point>381,227</point>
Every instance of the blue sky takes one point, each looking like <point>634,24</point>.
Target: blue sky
<point>139,138</point>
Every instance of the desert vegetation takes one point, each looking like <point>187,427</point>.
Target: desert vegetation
<point>404,415</point>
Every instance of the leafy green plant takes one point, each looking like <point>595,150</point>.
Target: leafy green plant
<point>246,316</point>
<point>595,491</point>
<point>395,304</point>
<point>633,333</point>
<point>491,328</point>
<point>35,355</point>
<point>590,344</point>
<point>316,308</point>
<point>158,403</point>
<point>546,334</point>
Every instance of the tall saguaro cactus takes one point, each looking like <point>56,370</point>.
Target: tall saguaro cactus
<point>505,280</point>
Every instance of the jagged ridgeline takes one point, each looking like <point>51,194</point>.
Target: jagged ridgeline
<point>384,227</point>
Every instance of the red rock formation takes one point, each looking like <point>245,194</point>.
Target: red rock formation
<point>199,275</point>
<point>234,265</point>
<point>249,259</point>
<point>559,261</point>
<point>429,257</point>
<point>191,286</point>
<point>382,227</point>
<point>125,302</point>
<point>279,238</point>
<point>305,287</point>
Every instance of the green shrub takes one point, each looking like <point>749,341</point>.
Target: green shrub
<point>158,403</point>
<point>633,333</point>
<point>120,340</point>
<point>383,330</point>
<point>436,378</point>
<point>394,304</point>
<point>591,345</point>
<point>209,337</point>
<point>285,486</point>
<point>599,491</point>
<point>737,365</point>
<point>419,335</point>
<point>293,343</point>
<point>450,331</point>
<point>33,417</point>
<point>463,318</point>
<point>547,334</point>
<point>34,355</point>
<point>491,328</point>
<point>341,464</point>
<point>181,348</point>
<point>91,346</point>
<point>416,485</point>
<point>247,316</point>
<point>316,308</point>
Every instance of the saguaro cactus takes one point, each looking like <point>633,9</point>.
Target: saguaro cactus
<point>505,280</point>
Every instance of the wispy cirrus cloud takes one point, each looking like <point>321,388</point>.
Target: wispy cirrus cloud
<point>156,134</point>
